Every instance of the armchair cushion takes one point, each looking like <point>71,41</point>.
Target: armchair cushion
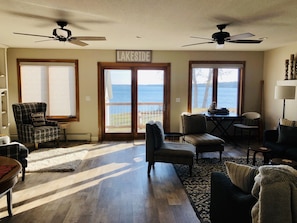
<point>38,119</point>
<point>198,127</point>
<point>204,139</point>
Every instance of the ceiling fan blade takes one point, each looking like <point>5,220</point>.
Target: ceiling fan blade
<point>77,42</point>
<point>193,44</point>
<point>28,34</point>
<point>244,41</point>
<point>196,37</point>
<point>88,38</point>
<point>240,36</point>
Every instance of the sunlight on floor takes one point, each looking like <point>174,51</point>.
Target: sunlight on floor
<point>67,184</point>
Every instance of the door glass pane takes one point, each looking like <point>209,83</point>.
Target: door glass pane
<point>228,89</point>
<point>117,101</point>
<point>150,94</point>
<point>202,79</point>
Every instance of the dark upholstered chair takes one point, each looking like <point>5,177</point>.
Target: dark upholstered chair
<point>158,150</point>
<point>228,203</point>
<point>194,127</point>
<point>31,124</point>
<point>16,151</point>
<point>250,122</point>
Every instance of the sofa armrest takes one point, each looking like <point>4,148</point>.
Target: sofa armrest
<point>228,203</point>
<point>270,135</point>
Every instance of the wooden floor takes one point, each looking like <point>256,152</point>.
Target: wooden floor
<point>110,186</point>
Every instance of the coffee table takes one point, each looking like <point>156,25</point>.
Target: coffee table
<point>262,150</point>
<point>10,168</point>
<point>278,161</point>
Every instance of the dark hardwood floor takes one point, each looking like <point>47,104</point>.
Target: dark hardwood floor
<point>110,186</point>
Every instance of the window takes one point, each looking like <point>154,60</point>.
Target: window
<point>54,82</point>
<point>219,82</point>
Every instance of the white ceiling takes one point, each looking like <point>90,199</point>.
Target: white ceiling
<point>149,24</point>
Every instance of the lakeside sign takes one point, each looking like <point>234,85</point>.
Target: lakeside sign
<point>144,56</point>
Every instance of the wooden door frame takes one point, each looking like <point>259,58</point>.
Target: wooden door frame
<point>101,66</point>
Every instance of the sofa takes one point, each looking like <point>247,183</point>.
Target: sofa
<point>267,194</point>
<point>282,141</point>
<point>228,202</point>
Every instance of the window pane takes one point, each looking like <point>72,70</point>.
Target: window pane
<point>228,89</point>
<point>202,84</point>
<point>118,101</point>
<point>34,83</point>
<point>61,91</point>
<point>150,92</point>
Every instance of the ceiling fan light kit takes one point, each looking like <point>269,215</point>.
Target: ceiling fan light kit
<point>221,37</point>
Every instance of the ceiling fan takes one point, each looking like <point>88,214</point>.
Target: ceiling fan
<point>221,37</point>
<point>64,35</point>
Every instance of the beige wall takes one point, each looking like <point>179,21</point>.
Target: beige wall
<point>179,79</point>
<point>274,70</point>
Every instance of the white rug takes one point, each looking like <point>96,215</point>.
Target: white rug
<point>55,159</point>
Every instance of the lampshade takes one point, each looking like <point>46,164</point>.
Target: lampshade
<point>284,92</point>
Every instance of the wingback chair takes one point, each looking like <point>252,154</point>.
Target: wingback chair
<point>158,150</point>
<point>194,128</point>
<point>31,124</point>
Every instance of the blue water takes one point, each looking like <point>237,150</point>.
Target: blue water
<point>154,93</point>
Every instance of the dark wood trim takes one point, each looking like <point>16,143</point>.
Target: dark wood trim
<point>101,97</point>
<point>73,61</point>
<point>241,83</point>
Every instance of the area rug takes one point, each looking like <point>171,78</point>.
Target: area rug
<point>198,186</point>
<point>55,159</point>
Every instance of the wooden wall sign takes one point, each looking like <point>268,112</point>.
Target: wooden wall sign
<point>143,56</point>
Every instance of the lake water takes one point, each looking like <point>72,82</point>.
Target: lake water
<point>154,93</point>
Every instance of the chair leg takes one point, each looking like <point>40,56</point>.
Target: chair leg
<point>149,168</point>
<point>36,145</point>
<point>23,173</point>
<point>190,170</point>
<point>221,156</point>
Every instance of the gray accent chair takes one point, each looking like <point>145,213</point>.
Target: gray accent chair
<point>30,133</point>
<point>194,128</point>
<point>159,150</point>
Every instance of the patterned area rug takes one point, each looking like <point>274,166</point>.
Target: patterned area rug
<point>56,159</point>
<point>198,186</point>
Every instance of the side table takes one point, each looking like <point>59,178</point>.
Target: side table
<point>262,150</point>
<point>173,136</point>
<point>63,126</point>
<point>278,161</point>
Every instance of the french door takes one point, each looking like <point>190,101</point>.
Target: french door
<point>130,96</point>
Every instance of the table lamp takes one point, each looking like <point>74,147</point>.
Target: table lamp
<point>284,92</point>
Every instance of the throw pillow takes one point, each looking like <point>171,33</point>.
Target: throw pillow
<point>38,119</point>
<point>287,135</point>
<point>286,122</point>
<point>241,175</point>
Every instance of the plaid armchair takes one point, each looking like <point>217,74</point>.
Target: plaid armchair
<point>32,126</point>
<point>16,151</point>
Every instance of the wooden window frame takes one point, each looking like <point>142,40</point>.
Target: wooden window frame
<point>240,93</point>
<point>46,61</point>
